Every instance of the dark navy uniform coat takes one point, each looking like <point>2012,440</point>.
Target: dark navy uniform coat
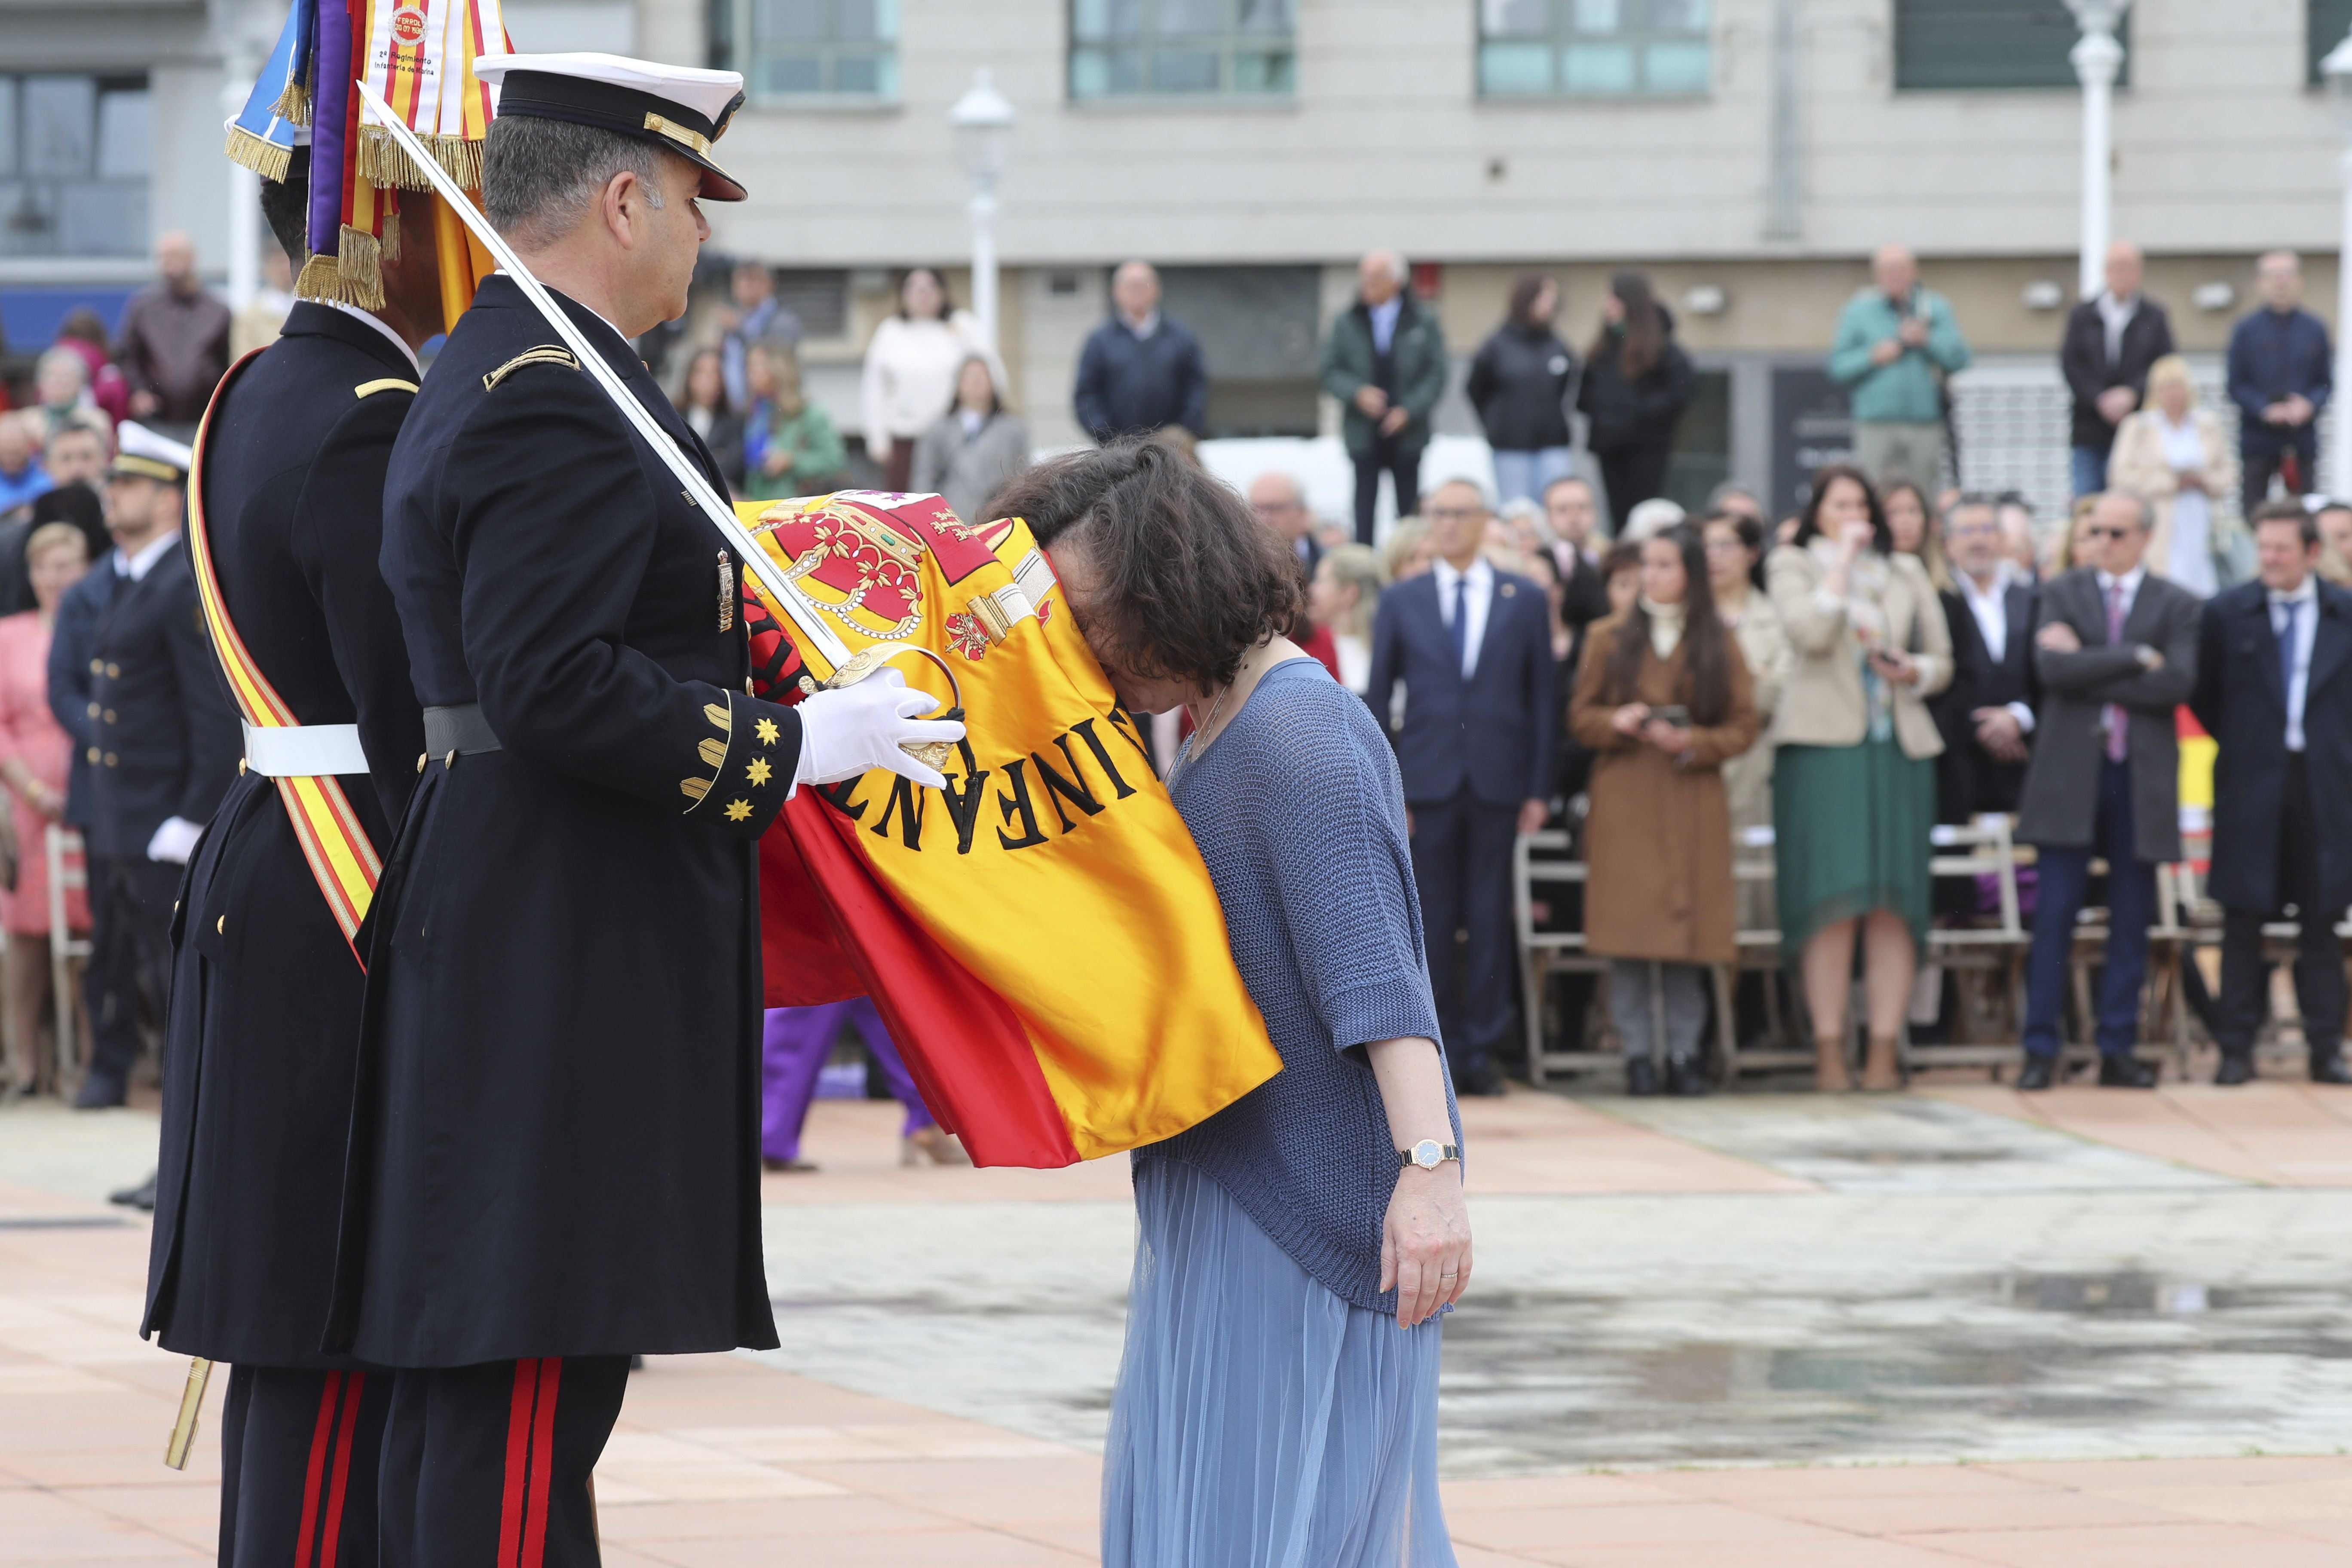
<point>134,680</point>
<point>554,1146</point>
<point>264,991</point>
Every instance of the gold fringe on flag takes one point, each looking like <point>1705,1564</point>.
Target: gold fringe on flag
<point>384,164</point>
<point>293,105</point>
<point>390,239</point>
<point>266,159</point>
<point>354,276</point>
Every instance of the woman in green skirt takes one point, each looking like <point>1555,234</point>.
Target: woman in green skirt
<point>1853,795</point>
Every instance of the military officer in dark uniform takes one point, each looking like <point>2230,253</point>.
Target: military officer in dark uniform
<point>133,680</point>
<point>554,1155</point>
<point>266,987</point>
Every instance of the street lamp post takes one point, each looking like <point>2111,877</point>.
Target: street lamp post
<point>2098,58</point>
<point>244,201</point>
<point>2338,71</point>
<point>984,131</point>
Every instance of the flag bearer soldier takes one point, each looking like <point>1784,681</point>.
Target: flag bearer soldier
<point>286,517</point>
<point>554,1155</point>
<point>133,680</point>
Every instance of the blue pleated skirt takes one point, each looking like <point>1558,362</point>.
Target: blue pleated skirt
<point>1261,1421</point>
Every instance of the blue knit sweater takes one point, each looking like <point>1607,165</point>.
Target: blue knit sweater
<point>1299,812</point>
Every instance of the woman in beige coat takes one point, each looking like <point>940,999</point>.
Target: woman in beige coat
<point>2172,454</point>
<point>1663,700</point>
<point>1854,790</point>
<point>1734,551</point>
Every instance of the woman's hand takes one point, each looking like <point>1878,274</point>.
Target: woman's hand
<point>1894,665</point>
<point>2190,480</point>
<point>777,461</point>
<point>1852,539</point>
<point>1629,720</point>
<point>1671,738</point>
<point>1425,1242</point>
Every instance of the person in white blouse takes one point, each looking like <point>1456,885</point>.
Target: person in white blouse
<point>2173,454</point>
<point>910,371</point>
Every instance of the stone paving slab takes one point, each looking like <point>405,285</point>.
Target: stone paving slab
<point>2276,1132</point>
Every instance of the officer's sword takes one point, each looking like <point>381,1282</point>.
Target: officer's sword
<point>779,589</point>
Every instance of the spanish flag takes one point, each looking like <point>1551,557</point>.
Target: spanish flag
<point>1041,936</point>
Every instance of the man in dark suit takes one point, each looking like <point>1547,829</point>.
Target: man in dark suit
<point>1473,647</point>
<point>135,684</point>
<point>529,1197</point>
<point>2110,342</point>
<point>1986,713</point>
<point>2274,690</point>
<point>2282,373</point>
<point>1140,370</point>
<point>2115,648</point>
<point>286,514</point>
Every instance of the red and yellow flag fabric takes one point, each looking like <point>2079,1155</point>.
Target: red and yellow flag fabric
<point>1041,936</point>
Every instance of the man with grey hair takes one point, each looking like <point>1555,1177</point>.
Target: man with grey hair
<point>2282,372</point>
<point>1384,360</point>
<point>2116,650</point>
<point>1895,343</point>
<point>554,1153</point>
<point>1140,370</point>
<point>173,344</point>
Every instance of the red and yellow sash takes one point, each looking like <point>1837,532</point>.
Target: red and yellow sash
<point>343,862</point>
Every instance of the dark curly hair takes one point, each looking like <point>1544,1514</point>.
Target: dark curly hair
<point>1190,580</point>
<point>1809,523</point>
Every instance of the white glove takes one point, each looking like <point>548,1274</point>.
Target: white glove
<point>174,841</point>
<point>845,731</point>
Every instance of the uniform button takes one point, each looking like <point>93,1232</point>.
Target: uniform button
<point>98,666</point>
<point>240,767</point>
<point>92,753</point>
<point>93,710</point>
<point>221,925</point>
<point>111,760</point>
<point>113,671</point>
<point>109,715</point>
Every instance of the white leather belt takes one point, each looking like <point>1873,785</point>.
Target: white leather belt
<point>305,751</point>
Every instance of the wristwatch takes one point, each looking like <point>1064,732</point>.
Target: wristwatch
<point>1429,1153</point>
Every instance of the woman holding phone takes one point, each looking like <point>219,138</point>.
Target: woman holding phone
<point>1663,699</point>
<point>1853,795</point>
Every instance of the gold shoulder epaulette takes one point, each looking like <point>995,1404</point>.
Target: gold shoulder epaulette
<point>388,384</point>
<point>546,353</point>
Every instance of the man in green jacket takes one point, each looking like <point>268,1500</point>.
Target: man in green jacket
<point>1897,341</point>
<point>1384,360</point>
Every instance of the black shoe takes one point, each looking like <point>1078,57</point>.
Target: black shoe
<point>2038,1071</point>
<point>1641,1076</point>
<point>140,1197</point>
<point>2120,1071</point>
<point>1482,1080</point>
<point>2237,1067</point>
<point>100,1091</point>
<point>2330,1068</point>
<point>1684,1076</point>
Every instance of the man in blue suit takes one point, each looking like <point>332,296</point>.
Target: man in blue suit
<point>2274,690</point>
<point>1472,648</point>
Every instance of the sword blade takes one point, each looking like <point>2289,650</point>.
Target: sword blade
<point>192,1402</point>
<point>780,589</point>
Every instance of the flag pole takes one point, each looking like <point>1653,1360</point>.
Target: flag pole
<point>779,589</point>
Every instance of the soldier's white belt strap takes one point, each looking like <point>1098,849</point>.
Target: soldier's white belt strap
<point>305,751</point>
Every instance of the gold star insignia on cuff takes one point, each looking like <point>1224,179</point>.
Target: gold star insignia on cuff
<point>739,810</point>
<point>767,732</point>
<point>758,770</point>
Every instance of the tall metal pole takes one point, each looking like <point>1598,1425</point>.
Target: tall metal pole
<point>983,256</point>
<point>244,211</point>
<point>2097,58</point>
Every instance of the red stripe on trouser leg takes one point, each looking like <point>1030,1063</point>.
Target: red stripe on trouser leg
<point>526,1389</point>
<point>542,1461</point>
<point>319,1434</point>
<point>332,1537</point>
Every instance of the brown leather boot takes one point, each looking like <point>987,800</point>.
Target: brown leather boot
<point>1880,1071</point>
<point>1831,1075</point>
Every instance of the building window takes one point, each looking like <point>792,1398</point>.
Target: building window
<point>796,50</point>
<point>1595,49</point>
<point>1130,48</point>
<point>1946,45</point>
<point>74,154</point>
<point>2326,22</point>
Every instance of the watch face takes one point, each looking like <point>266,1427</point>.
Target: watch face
<point>1427,1153</point>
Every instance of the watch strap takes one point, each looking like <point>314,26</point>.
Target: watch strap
<point>1444,1152</point>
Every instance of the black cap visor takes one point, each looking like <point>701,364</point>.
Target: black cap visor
<point>665,123</point>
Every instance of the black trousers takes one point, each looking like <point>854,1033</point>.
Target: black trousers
<point>488,1466</point>
<point>1403,469</point>
<point>2318,957</point>
<point>1633,474</point>
<point>2256,468</point>
<point>130,954</point>
<point>298,1452</point>
<point>1462,862</point>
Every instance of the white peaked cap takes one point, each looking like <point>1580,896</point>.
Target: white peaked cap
<point>684,108</point>
<point>139,450</point>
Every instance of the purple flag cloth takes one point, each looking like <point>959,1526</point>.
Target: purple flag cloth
<point>331,97</point>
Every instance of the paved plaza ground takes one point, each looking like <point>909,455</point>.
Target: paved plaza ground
<point>1953,1327</point>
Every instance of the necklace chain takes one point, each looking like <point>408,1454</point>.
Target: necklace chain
<point>1199,737</point>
